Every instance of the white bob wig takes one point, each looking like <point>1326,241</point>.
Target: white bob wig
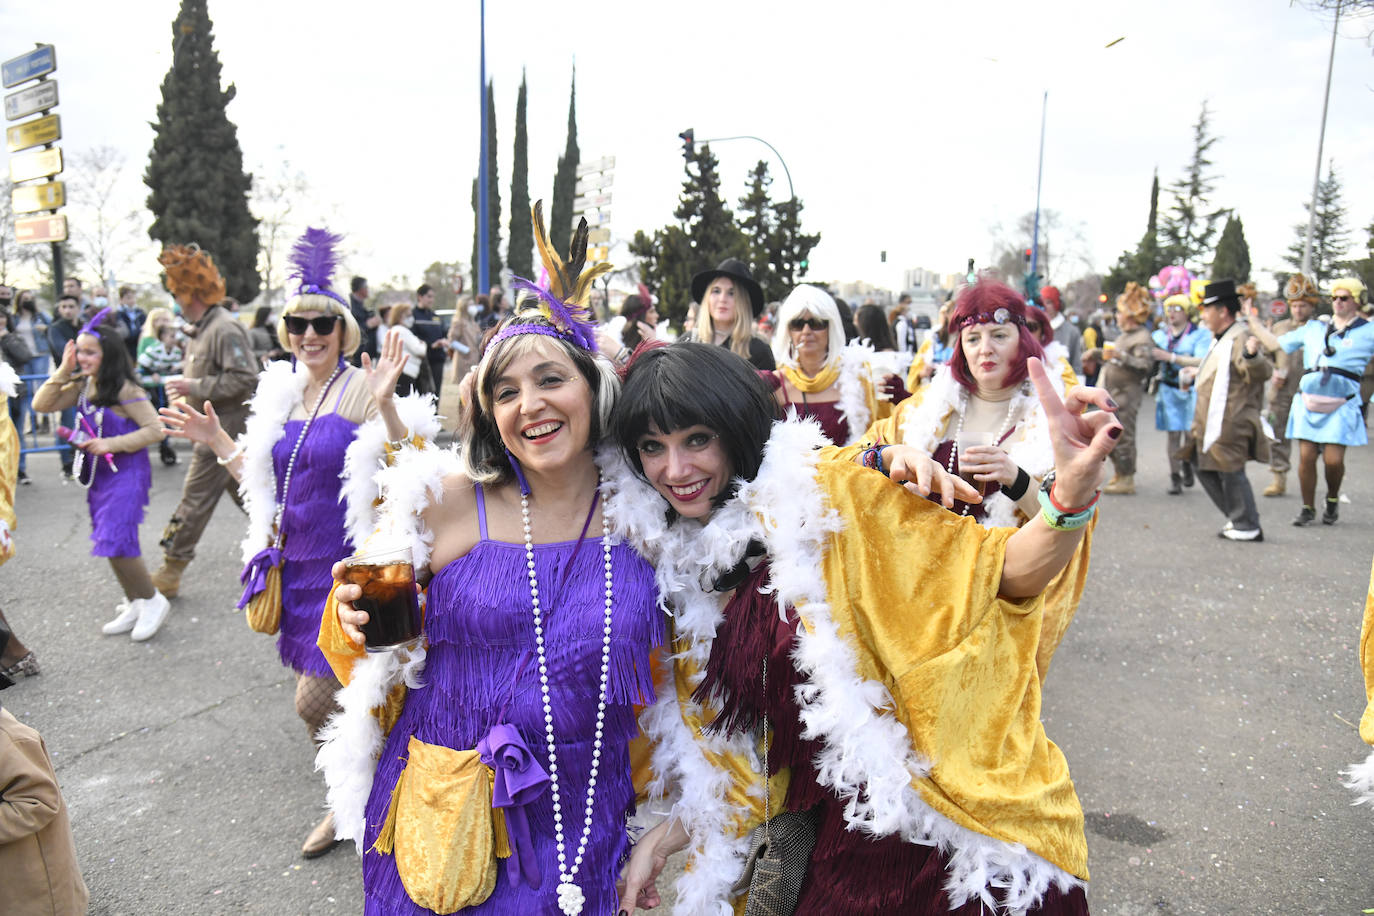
<point>816,302</point>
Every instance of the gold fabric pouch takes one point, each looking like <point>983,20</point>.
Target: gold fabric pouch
<point>264,609</point>
<point>440,828</point>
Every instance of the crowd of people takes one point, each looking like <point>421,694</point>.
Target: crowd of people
<point>868,542</point>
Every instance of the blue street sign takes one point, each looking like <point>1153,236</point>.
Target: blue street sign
<point>38,62</point>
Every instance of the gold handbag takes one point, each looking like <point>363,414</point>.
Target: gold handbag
<point>441,829</point>
<point>264,609</point>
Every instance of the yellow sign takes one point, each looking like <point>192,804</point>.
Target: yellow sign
<point>29,230</point>
<point>38,164</point>
<point>34,197</point>
<point>34,133</point>
<point>598,252</point>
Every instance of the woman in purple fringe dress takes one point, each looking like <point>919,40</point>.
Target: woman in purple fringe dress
<point>115,426</point>
<point>314,419</point>
<point>539,626</point>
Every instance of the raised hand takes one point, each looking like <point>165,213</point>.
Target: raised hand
<point>181,419</point>
<point>382,377</point>
<point>1081,441</point>
<point>924,476</point>
<point>68,364</point>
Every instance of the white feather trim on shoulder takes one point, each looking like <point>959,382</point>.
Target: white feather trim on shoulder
<point>853,401</point>
<point>279,391</point>
<point>366,456</point>
<point>1359,778</point>
<point>9,380</point>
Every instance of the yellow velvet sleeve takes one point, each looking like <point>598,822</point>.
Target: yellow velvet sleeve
<point>1067,374</point>
<point>340,651</point>
<point>9,469</point>
<point>919,363</point>
<point>914,588</point>
<point>1367,663</point>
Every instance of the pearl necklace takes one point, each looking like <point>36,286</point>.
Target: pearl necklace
<point>295,450</point>
<point>570,897</point>
<point>959,429</point>
<point>79,455</point>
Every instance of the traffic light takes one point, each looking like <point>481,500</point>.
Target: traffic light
<point>688,144</point>
<point>1029,252</point>
<point>804,264</point>
<point>1102,298</point>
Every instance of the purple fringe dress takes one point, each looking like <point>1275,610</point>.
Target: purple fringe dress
<point>314,536</point>
<point>116,500</point>
<point>482,658</point>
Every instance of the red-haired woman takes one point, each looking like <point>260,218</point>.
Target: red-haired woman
<point>978,417</point>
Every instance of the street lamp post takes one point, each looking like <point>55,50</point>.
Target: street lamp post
<point>1321,139</point>
<point>1039,177</point>
<point>482,202</point>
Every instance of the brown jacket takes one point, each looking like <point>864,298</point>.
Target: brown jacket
<point>221,367</point>
<point>1242,437</point>
<point>1292,362</point>
<point>38,871</point>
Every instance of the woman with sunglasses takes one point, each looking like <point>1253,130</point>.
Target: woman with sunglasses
<point>820,377</point>
<point>852,663</point>
<point>1325,415</point>
<point>318,427</point>
<point>1180,342</point>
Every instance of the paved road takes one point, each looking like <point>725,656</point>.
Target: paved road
<point>1204,697</point>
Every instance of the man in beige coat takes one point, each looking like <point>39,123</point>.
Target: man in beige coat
<point>38,871</point>
<point>1227,430</point>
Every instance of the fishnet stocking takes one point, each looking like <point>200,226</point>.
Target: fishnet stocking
<point>315,701</point>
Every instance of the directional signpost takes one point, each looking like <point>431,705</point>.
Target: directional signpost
<point>40,165</point>
<point>593,203</point>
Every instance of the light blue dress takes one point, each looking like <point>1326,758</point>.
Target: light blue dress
<point>1331,375</point>
<point>1174,405</point>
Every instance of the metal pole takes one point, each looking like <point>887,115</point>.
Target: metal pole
<point>57,277</point>
<point>790,193</point>
<point>1039,177</point>
<point>482,203</point>
<point>1321,138</point>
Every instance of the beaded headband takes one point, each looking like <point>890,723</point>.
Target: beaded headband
<point>562,310</point>
<point>1001,316</point>
<point>90,326</point>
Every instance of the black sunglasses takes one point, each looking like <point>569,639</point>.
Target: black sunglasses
<point>815,324</point>
<point>323,324</point>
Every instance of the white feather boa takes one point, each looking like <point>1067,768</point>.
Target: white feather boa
<point>867,759</point>
<point>280,390</point>
<point>931,421</point>
<point>1359,778</point>
<point>9,380</point>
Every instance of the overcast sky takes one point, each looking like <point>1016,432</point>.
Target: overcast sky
<point>910,127</point>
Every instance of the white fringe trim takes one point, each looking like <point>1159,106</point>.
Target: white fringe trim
<point>1359,778</point>
<point>853,403</point>
<point>279,391</point>
<point>867,759</point>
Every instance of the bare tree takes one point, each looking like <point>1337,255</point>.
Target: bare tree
<point>106,220</point>
<point>275,201</point>
<point>1063,248</point>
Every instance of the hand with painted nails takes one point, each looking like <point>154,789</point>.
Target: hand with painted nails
<point>1081,439</point>
<point>924,476</point>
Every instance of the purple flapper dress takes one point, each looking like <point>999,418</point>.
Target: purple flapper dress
<point>116,499</point>
<point>314,536</point>
<point>482,658</point>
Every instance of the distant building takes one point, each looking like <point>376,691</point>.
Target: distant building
<point>916,279</point>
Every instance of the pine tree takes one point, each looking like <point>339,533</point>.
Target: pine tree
<point>1189,226</point>
<point>789,249</point>
<point>1233,254</point>
<point>520,251</point>
<point>705,217</point>
<point>195,171</point>
<point>757,224</point>
<point>1146,260</point>
<point>1364,267</point>
<point>493,204</point>
<point>565,181</point>
<point>1330,238</point>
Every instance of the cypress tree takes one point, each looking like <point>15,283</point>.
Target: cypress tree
<point>1233,254</point>
<point>493,204</point>
<point>565,181</point>
<point>1188,226</point>
<point>1330,238</point>
<point>195,170</point>
<point>520,251</point>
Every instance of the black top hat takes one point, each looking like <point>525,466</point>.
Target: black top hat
<point>736,270</point>
<point>1221,292</point>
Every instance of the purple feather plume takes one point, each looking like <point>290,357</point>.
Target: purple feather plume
<point>314,258</point>
<point>582,331</point>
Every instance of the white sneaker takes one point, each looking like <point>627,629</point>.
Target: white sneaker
<point>151,613</point>
<point>126,615</point>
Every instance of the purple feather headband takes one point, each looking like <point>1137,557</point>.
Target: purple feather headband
<point>90,326</point>
<point>313,260</point>
<point>563,322</point>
